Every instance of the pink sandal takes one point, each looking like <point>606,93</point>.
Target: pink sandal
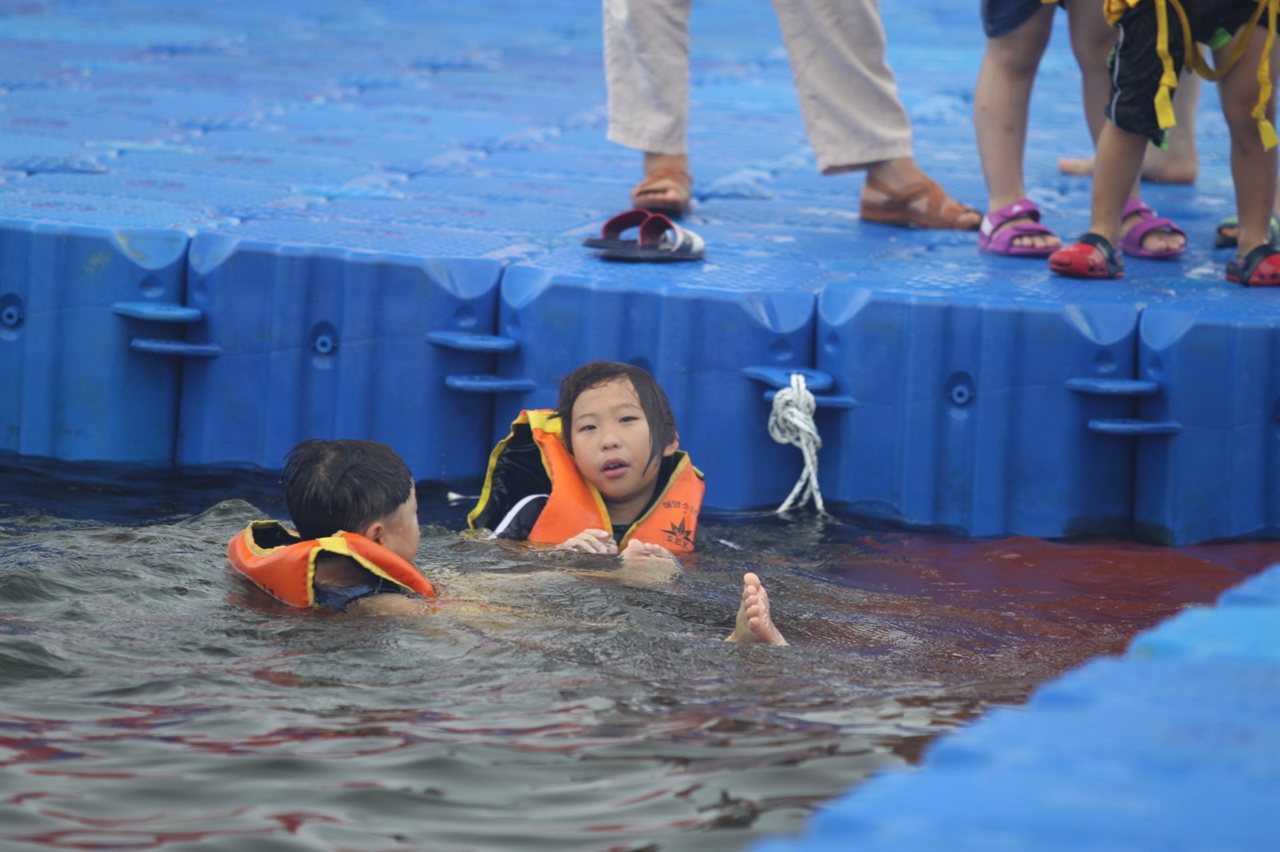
<point>994,238</point>
<point>1131,243</point>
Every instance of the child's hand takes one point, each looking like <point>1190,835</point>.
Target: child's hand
<point>643,548</point>
<point>591,541</point>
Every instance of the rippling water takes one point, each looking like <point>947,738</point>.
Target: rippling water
<point>151,700</point>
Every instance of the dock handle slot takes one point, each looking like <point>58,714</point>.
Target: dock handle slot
<point>489,384</point>
<point>1124,387</point>
<point>467,342</point>
<point>176,347</point>
<point>166,313</point>
<point>777,378</point>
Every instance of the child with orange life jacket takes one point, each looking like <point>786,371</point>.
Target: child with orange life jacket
<point>333,486</point>
<point>602,473</point>
<point>356,511</point>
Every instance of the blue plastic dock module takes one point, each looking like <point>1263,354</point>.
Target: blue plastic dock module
<point>78,309</point>
<point>971,410</point>
<point>1216,473</point>
<point>696,340</point>
<point>1176,746</point>
<point>300,341</point>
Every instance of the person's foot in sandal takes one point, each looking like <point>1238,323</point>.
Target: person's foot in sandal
<point>667,187</point>
<point>1144,234</point>
<point>898,192</point>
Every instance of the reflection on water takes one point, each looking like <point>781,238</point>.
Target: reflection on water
<point>151,700</point>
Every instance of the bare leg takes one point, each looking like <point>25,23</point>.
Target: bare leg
<point>1000,104</point>
<point>1253,169</point>
<point>1092,40</point>
<point>1179,162</point>
<point>1119,160</point>
<point>754,622</point>
<point>1232,231</point>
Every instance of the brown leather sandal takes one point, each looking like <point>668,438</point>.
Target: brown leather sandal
<point>666,191</point>
<point>940,210</point>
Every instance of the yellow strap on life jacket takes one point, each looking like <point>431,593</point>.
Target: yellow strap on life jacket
<point>1114,9</point>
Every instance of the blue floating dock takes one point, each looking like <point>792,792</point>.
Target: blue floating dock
<point>372,213</point>
<point>225,227</point>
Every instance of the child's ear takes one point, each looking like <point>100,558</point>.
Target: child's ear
<point>375,532</point>
<point>671,448</point>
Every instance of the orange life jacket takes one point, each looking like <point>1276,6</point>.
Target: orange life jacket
<point>283,565</point>
<point>574,504</point>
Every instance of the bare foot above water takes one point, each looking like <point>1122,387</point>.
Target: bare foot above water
<point>754,622</point>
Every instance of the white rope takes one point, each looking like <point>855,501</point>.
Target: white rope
<point>791,422</point>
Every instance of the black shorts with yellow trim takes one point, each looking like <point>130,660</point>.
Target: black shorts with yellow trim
<point>1136,67</point>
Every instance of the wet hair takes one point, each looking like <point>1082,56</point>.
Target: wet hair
<point>653,401</point>
<point>346,485</point>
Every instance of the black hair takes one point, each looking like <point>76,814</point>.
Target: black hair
<point>333,486</point>
<point>653,401</point>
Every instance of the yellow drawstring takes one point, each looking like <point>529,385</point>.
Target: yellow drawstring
<point>1169,80</point>
<point>1265,128</point>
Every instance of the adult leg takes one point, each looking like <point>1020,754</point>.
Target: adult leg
<point>1000,104</point>
<point>646,50</point>
<point>851,111</point>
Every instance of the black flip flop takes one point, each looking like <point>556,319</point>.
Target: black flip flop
<point>611,234</point>
<point>661,241</point>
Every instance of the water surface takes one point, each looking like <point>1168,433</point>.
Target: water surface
<point>150,700</point>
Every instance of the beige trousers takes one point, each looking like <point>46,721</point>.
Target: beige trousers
<point>848,99</point>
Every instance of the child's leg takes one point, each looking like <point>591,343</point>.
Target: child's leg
<point>754,624</point>
<point>1178,162</point>
<point>1119,159</point>
<point>1253,169</point>
<point>1000,104</point>
<point>1092,39</point>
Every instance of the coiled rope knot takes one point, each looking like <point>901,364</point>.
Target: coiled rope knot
<point>791,422</point>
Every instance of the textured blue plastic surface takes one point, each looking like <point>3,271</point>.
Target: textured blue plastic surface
<point>1175,746</point>
<point>1217,360</point>
<point>70,384</point>
<point>961,421</point>
<point>332,343</point>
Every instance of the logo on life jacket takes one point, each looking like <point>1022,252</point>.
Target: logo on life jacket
<point>679,534</point>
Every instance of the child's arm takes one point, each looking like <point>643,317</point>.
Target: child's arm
<point>388,604</point>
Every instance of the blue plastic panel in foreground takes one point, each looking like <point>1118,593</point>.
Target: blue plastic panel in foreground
<point>71,386</point>
<point>326,343</point>
<point>1176,746</point>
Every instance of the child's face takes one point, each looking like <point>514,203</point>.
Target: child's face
<point>611,447</point>
<point>400,531</point>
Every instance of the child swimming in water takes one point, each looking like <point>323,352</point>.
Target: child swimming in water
<point>356,512</point>
<point>618,482</point>
<point>334,487</point>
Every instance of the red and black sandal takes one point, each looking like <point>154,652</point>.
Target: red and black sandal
<point>1258,268</point>
<point>1092,256</point>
